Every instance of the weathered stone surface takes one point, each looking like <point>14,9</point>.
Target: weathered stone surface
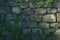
<point>58,9</point>
<point>58,25</point>
<point>58,33</point>
<point>54,25</point>
<point>24,5</point>
<point>32,5</point>
<point>2,10</point>
<point>36,31</point>
<point>41,11</point>
<point>22,24</point>
<point>10,3</point>
<point>52,37</point>
<point>1,18</point>
<point>37,18</point>
<point>16,10</point>
<point>44,25</point>
<point>49,18</point>
<point>23,18</point>
<point>51,10</point>
<point>32,24</point>
<point>10,17</point>
<point>29,19</point>
<point>26,31</point>
<point>35,37</point>
<point>12,23</point>
<point>28,11</point>
<point>58,17</point>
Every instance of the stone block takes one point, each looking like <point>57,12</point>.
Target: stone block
<point>32,24</point>
<point>52,10</point>
<point>37,18</point>
<point>44,25</point>
<point>49,18</point>
<point>40,10</point>
<point>26,31</point>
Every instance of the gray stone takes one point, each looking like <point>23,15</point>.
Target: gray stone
<point>26,31</point>
<point>28,12</point>
<point>37,31</point>
<point>16,10</point>
<point>52,10</point>
<point>3,11</point>
<point>37,18</point>
<point>33,5</point>
<point>12,23</point>
<point>22,24</point>
<point>35,37</point>
<point>49,18</point>
<point>23,18</point>
<point>10,17</point>
<point>10,3</point>
<point>24,5</point>
<point>5,32</point>
<point>53,37</point>
<point>33,24</point>
<point>57,32</point>
<point>32,11</point>
<point>58,17</point>
<point>1,17</point>
<point>54,25</point>
<point>10,38</point>
<point>41,11</point>
<point>44,25</point>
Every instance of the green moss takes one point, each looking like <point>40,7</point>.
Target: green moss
<point>49,32</point>
<point>49,2</point>
<point>40,4</point>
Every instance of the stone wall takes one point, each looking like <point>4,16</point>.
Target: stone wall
<point>25,20</point>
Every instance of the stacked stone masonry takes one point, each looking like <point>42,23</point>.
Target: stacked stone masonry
<point>28,20</point>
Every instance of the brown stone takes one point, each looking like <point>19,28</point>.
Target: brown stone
<point>58,17</point>
<point>54,25</point>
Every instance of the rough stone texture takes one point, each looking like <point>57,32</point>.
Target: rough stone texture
<point>26,31</point>
<point>54,25</point>
<point>51,10</point>
<point>32,24</point>
<point>41,11</point>
<point>26,20</point>
<point>28,11</point>
<point>49,18</point>
<point>24,5</point>
<point>58,17</point>
<point>35,18</point>
<point>44,25</point>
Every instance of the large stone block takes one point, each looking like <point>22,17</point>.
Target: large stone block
<point>32,24</point>
<point>28,11</point>
<point>49,18</point>
<point>44,25</point>
<point>52,10</point>
<point>41,11</point>
<point>26,31</point>
<point>54,25</point>
<point>37,18</point>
